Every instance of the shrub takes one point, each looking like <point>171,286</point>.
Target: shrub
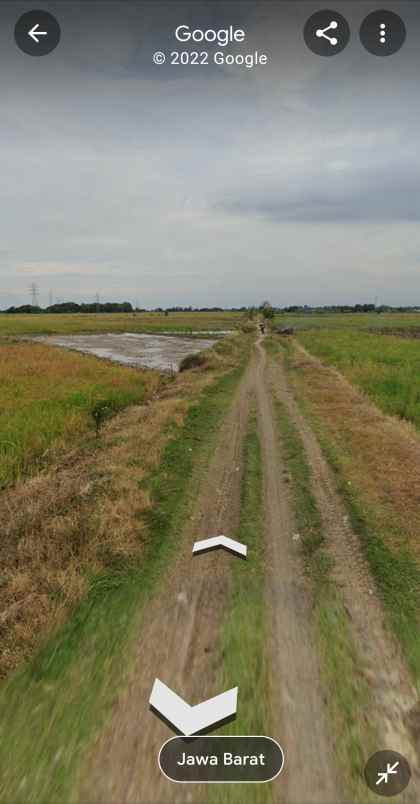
<point>192,361</point>
<point>101,411</point>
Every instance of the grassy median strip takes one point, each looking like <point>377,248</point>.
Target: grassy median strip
<point>244,637</point>
<point>52,708</point>
<point>348,694</point>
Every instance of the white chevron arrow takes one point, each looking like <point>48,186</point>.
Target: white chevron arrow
<point>192,719</point>
<point>220,541</point>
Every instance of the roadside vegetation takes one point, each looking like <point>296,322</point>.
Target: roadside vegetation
<point>245,637</point>
<point>94,539</point>
<point>377,466</point>
<point>48,399</point>
<point>385,368</point>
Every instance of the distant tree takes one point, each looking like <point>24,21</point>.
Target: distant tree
<point>24,308</point>
<point>63,307</point>
<point>268,313</point>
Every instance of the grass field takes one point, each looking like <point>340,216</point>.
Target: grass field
<point>387,368</point>
<point>54,704</point>
<point>385,321</point>
<point>115,322</point>
<point>46,399</point>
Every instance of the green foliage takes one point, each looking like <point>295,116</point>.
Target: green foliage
<point>268,313</point>
<point>101,411</point>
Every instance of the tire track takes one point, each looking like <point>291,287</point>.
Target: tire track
<point>179,637</point>
<point>297,697</point>
<point>393,695</point>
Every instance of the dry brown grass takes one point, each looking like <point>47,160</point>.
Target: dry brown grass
<point>85,513</point>
<point>380,454</point>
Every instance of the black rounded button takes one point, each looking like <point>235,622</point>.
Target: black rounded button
<point>387,773</point>
<point>382,33</point>
<point>37,33</point>
<point>326,33</point>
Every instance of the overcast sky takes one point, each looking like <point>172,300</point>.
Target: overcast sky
<point>298,181</point>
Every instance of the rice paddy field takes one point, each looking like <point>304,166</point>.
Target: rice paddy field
<point>365,321</point>
<point>386,367</point>
<point>72,324</point>
<point>47,396</point>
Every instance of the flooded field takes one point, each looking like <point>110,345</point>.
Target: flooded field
<point>162,352</point>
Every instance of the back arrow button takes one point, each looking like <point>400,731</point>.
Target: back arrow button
<point>37,33</point>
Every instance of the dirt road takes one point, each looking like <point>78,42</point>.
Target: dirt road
<point>178,639</point>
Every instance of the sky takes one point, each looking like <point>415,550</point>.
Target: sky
<point>297,181</point>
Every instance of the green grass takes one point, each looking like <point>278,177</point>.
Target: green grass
<point>347,692</point>
<point>46,399</point>
<point>244,641</point>
<point>385,368</point>
<point>353,321</point>
<point>51,324</point>
<point>52,708</point>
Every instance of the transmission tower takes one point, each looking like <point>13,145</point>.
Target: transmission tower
<point>34,294</point>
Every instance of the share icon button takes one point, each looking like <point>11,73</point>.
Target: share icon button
<point>326,33</point>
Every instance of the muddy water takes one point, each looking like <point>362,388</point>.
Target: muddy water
<point>161,352</point>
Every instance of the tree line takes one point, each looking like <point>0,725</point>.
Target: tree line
<point>266,309</point>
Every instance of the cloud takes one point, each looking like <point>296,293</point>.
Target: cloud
<point>297,182</point>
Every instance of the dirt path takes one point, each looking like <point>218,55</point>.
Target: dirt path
<point>298,708</point>
<point>179,636</point>
<point>178,640</point>
<point>393,696</point>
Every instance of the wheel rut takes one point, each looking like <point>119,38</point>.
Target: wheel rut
<point>298,707</point>
<point>393,695</point>
<point>179,635</point>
